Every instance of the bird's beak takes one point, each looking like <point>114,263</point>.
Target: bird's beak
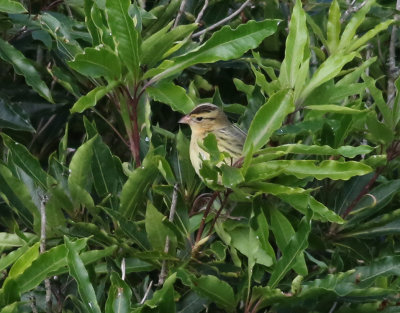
<point>184,120</point>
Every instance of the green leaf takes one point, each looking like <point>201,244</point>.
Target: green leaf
<point>351,28</point>
<point>231,176</point>
<point>91,26</point>
<point>173,95</point>
<point>245,240</point>
<point>23,262</point>
<point>284,232</point>
<point>331,108</point>
<point>10,258</point>
<point>303,202</point>
<point>308,168</point>
<point>26,161</point>
<point>23,66</point>
<point>333,27</point>
<point>134,190</point>
<point>154,47</point>
<point>369,35</point>
<point>78,271</point>
<point>297,148</point>
<point>275,189</point>
<point>8,240</point>
<point>92,97</point>
<point>157,231</point>
<point>163,298</point>
<point>13,117</point>
<point>268,119</point>
<point>79,178</point>
<point>216,290</point>
<point>296,43</point>
<point>47,263</point>
<point>11,7</point>
<point>224,44</point>
<point>328,70</point>
<point>119,296</point>
<point>17,194</point>
<point>290,254</point>
<point>97,62</point>
<point>126,37</point>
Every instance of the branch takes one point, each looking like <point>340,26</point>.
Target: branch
<point>393,71</point>
<point>198,18</point>
<point>223,21</point>
<point>163,273</point>
<point>203,220</point>
<point>180,12</point>
<point>42,249</point>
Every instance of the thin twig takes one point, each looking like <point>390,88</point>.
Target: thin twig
<point>223,203</point>
<point>111,126</point>
<point>393,70</point>
<point>42,249</point>
<point>351,9</point>
<point>180,12</point>
<point>163,272</point>
<point>223,21</point>
<point>201,13</point>
<point>203,220</point>
<point>333,307</point>
<point>123,269</point>
<point>147,292</point>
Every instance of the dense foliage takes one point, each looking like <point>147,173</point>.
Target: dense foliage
<point>101,210</point>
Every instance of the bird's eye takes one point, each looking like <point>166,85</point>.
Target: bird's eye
<point>199,118</point>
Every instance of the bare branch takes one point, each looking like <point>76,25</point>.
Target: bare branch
<point>223,21</point>
<point>180,12</point>
<point>163,272</point>
<point>42,249</point>
<point>147,292</point>
<point>198,18</point>
<point>393,70</point>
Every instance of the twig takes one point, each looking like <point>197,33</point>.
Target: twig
<point>223,21</point>
<point>351,9</point>
<point>333,307</point>
<point>163,272</point>
<point>201,13</point>
<point>42,249</point>
<point>223,203</point>
<point>147,292</point>
<point>203,220</point>
<point>393,71</point>
<point>180,12</point>
<point>123,269</point>
<point>111,126</point>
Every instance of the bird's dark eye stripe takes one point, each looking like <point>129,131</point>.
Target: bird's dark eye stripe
<point>200,118</point>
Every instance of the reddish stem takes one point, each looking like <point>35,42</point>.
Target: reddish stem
<point>203,220</point>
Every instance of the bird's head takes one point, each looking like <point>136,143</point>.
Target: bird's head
<point>205,118</point>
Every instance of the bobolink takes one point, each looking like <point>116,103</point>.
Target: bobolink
<point>208,118</point>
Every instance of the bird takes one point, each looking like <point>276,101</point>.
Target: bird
<point>208,118</point>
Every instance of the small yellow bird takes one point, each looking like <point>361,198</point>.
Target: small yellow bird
<point>208,118</point>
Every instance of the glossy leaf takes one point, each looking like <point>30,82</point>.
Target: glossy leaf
<point>308,168</point>
<point>11,7</point>
<point>217,290</point>
<point>78,271</point>
<point>26,161</point>
<point>268,119</point>
<point>156,46</point>
<point>224,44</point>
<point>125,35</point>
<point>92,97</point>
<point>295,247</point>
<point>333,27</point>
<point>134,190</point>
<point>23,66</point>
<point>13,117</point>
<point>97,62</point>
<point>296,43</point>
<point>352,26</point>
<point>119,296</point>
<point>284,232</point>
<point>173,95</point>
<point>346,151</point>
<point>331,108</point>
